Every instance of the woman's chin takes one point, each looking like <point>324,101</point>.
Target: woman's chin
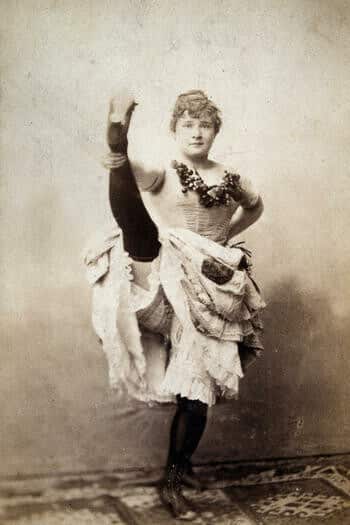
<point>195,155</point>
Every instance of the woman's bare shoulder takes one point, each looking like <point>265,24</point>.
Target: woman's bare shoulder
<point>148,175</point>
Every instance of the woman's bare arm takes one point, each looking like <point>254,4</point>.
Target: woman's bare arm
<point>245,217</point>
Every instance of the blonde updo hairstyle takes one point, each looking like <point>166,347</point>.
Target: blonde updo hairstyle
<point>198,105</point>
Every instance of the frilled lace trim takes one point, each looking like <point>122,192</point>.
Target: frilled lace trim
<point>202,367</point>
<point>179,381</point>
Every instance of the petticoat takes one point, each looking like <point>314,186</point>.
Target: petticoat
<point>185,334</point>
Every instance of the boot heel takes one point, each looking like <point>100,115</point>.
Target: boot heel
<point>190,479</point>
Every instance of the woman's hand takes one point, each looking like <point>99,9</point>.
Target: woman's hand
<point>113,160</point>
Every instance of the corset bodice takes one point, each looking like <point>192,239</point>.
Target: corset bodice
<point>212,223</point>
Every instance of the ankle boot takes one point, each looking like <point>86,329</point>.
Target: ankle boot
<point>171,494</point>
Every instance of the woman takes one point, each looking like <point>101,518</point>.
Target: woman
<point>185,322</point>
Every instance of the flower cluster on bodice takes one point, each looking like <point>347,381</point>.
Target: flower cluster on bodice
<point>214,195</point>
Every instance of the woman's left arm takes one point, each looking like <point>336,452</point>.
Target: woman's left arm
<point>251,208</point>
<point>245,217</point>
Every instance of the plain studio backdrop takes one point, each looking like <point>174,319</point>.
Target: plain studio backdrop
<point>279,71</point>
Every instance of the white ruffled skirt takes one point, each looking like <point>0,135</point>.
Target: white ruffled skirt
<point>189,332</point>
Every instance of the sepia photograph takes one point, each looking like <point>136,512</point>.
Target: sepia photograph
<point>175,311</point>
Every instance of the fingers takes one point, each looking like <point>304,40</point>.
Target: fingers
<point>113,160</point>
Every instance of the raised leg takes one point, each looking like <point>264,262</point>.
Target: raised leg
<point>140,234</point>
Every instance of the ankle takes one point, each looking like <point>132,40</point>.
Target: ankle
<point>117,138</point>
<point>173,476</point>
<point>119,117</point>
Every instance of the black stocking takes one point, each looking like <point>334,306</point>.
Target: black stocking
<point>186,431</point>
<point>140,234</point>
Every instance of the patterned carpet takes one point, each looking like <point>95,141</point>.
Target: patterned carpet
<point>289,493</point>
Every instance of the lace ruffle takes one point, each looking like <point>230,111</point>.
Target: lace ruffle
<point>180,380</point>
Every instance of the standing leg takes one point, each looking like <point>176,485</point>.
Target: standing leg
<point>186,431</point>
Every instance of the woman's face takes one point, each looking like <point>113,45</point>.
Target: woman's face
<point>194,136</point>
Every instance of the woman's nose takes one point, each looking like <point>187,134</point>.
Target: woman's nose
<point>197,132</point>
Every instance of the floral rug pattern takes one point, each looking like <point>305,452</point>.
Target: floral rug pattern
<point>283,494</point>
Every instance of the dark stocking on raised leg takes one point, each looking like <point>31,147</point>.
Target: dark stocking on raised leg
<point>140,234</point>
